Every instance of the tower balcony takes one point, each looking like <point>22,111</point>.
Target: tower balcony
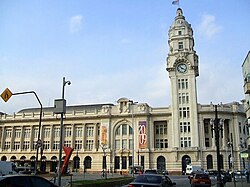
<point>247,88</point>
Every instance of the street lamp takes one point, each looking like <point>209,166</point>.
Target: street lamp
<point>104,160</point>
<point>133,136</point>
<point>216,125</point>
<point>60,108</point>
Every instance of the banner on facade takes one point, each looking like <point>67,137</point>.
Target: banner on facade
<point>142,135</point>
<point>104,132</point>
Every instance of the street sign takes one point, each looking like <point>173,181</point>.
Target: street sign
<point>244,155</point>
<point>39,143</point>
<point>6,94</point>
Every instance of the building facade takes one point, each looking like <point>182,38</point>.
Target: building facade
<point>128,133</point>
<point>246,78</point>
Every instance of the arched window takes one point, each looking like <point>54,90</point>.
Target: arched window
<point>209,162</point>
<point>161,163</point>
<point>3,158</point>
<point>124,137</point>
<point>87,162</point>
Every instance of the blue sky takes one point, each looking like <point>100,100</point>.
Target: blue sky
<point>110,49</point>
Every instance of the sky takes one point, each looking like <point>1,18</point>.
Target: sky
<point>111,49</point>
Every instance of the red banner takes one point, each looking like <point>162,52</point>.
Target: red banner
<point>142,135</point>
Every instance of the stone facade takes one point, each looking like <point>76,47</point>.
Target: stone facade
<point>128,133</point>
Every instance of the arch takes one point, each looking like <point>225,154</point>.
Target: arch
<point>53,164</point>
<point>209,162</point>
<point>13,158</point>
<point>3,158</point>
<point>221,162</point>
<point>32,158</point>
<point>22,158</point>
<point>186,160</point>
<point>76,162</point>
<point>87,162</point>
<point>53,158</point>
<point>43,164</point>
<point>161,163</point>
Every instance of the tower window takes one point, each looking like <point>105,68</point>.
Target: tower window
<point>179,32</point>
<point>180,45</point>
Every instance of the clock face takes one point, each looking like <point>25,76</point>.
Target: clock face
<point>182,68</point>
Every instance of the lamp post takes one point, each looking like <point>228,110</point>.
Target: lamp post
<point>60,108</point>
<point>133,136</point>
<point>104,160</point>
<point>216,125</point>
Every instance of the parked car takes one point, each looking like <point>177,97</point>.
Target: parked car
<point>200,179</point>
<point>152,180</point>
<point>151,171</point>
<point>25,181</point>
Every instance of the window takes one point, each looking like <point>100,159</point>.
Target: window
<point>124,129</point>
<point>118,131</point>
<point>183,84</point>
<point>16,145</point>
<point>124,144</point>
<point>185,127</point>
<point>184,112</point>
<point>78,131</point>
<point>161,143</point>
<point>46,132</point>
<point>67,143</point>
<point>207,142</point>
<point>46,145</point>
<point>26,145</point>
<point>17,133</point>
<point>117,144</point>
<point>180,45</point>
<point>78,144</point>
<point>89,144</point>
<point>27,133</point>
<point>56,145</point>
<point>7,145</point>
<point>67,132</point>
<point>179,32</point>
<point>8,133</point>
<point>36,133</point>
<point>56,132</point>
<point>185,141</point>
<point>90,131</point>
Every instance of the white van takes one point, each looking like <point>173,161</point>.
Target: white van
<point>190,169</point>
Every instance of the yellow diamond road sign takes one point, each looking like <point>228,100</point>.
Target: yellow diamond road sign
<point>6,94</point>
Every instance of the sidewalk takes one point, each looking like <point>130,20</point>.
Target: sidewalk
<point>237,184</point>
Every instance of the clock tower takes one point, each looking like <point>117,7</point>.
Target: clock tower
<point>182,65</point>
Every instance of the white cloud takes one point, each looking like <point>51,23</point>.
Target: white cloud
<point>75,23</point>
<point>208,27</point>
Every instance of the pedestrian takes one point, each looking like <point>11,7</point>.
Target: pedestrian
<point>247,176</point>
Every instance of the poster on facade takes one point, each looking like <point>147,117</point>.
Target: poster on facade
<point>142,135</point>
<point>104,132</point>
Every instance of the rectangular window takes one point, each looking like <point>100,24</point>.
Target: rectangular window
<point>67,132</point>
<point>26,145</point>
<point>78,144</point>
<point>180,45</point>
<point>46,132</point>
<point>35,132</point>
<point>78,131</point>
<point>56,145</point>
<point>46,145</point>
<point>56,132</point>
<point>117,144</point>
<point>124,144</point>
<point>124,129</point>
<point>27,132</point>
<point>67,143</point>
<point>7,145</point>
<point>89,144</point>
<point>17,133</point>
<point>207,142</point>
<point>8,133</point>
<point>90,131</point>
<point>17,145</point>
